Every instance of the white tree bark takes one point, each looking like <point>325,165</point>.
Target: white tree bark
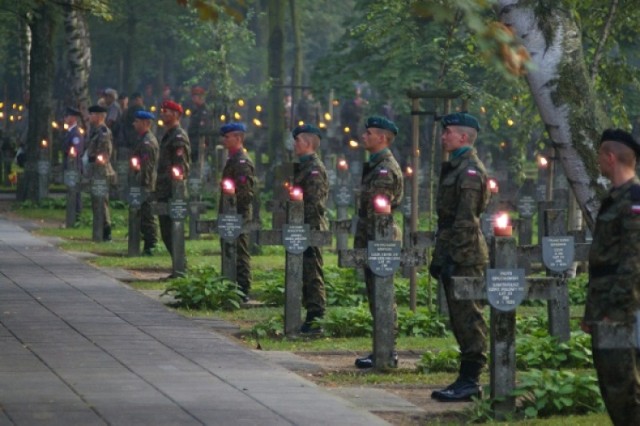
<point>78,56</point>
<point>562,91</point>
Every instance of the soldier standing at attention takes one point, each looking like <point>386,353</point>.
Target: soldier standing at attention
<point>240,169</point>
<point>175,151</point>
<point>73,138</point>
<point>99,149</point>
<point>381,176</point>
<point>146,151</point>
<point>199,123</point>
<point>311,176</point>
<point>613,293</point>
<point>461,249</point>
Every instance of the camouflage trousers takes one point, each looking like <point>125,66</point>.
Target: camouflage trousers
<point>243,263</point>
<point>465,316</point>
<point>148,225</point>
<point>619,380</point>
<point>165,231</point>
<point>95,204</point>
<point>361,240</point>
<point>313,294</point>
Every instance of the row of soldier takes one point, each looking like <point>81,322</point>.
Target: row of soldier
<point>460,250</point>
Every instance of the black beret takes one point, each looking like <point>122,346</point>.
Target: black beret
<point>382,123</point>
<point>306,128</point>
<point>460,119</point>
<point>621,136</point>
<point>97,108</point>
<point>72,111</point>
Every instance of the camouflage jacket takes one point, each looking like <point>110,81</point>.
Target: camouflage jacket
<point>381,175</point>
<point>614,257</point>
<point>175,151</point>
<point>73,138</point>
<point>239,167</point>
<point>100,143</point>
<point>146,149</point>
<point>462,196</point>
<point>311,175</point>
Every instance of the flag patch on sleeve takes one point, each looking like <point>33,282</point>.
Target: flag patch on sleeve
<point>472,172</point>
<point>635,208</point>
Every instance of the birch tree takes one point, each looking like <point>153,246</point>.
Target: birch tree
<point>78,56</point>
<point>562,90</point>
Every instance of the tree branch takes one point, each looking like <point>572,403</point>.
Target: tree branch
<point>603,39</point>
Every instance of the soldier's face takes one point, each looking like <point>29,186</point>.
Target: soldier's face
<point>232,141</point>
<point>452,139</point>
<point>169,116</point>
<point>373,140</point>
<point>301,146</point>
<point>605,160</point>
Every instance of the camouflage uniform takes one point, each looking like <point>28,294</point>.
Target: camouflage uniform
<point>146,150</point>
<point>199,126</point>
<point>240,169</point>
<point>311,175</point>
<point>461,249</point>
<point>614,293</point>
<point>73,138</point>
<point>100,142</point>
<point>175,151</point>
<point>380,176</point>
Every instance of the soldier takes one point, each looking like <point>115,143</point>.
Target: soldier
<point>73,138</point>
<point>199,123</point>
<point>129,135</point>
<point>310,175</point>
<point>175,151</point>
<point>461,248</point>
<point>240,169</point>
<point>99,150</point>
<point>613,292</point>
<point>146,151</point>
<point>381,176</point>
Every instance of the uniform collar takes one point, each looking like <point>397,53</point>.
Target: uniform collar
<point>458,152</point>
<point>617,192</point>
<point>305,158</point>
<point>378,155</point>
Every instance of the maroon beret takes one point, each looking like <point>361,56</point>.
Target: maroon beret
<point>172,106</point>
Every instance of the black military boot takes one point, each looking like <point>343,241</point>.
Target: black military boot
<point>367,361</point>
<point>465,387</point>
<point>309,326</point>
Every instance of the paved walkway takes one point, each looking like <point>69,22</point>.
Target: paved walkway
<point>77,347</point>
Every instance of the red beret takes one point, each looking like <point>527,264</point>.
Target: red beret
<point>197,90</point>
<point>172,105</point>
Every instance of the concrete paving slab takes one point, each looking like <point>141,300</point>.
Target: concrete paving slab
<point>82,348</point>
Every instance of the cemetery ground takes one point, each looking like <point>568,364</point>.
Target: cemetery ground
<point>553,380</point>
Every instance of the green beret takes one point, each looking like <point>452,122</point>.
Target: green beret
<point>382,123</point>
<point>306,128</point>
<point>460,119</point>
<point>623,137</point>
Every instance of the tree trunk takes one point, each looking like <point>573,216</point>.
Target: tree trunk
<point>275,111</point>
<point>562,91</point>
<point>78,57</point>
<point>298,64</point>
<point>25,52</point>
<point>42,71</point>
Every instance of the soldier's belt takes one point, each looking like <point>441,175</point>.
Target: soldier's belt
<point>602,271</point>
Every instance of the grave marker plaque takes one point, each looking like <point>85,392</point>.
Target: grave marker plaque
<point>99,188</point>
<point>71,178</point>
<point>342,195</point>
<point>295,238</point>
<point>527,206</point>
<point>178,209</point>
<point>136,197</point>
<point>506,288</point>
<point>229,226</point>
<point>558,253</point>
<point>384,257</point>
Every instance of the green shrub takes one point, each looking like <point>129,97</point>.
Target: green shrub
<point>205,288</point>
<point>403,294</point>
<point>532,325</point>
<point>422,323</point>
<point>446,360</point>
<point>343,288</point>
<point>578,289</point>
<point>544,351</point>
<point>273,327</point>
<point>545,393</point>
<point>347,322</point>
<point>271,287</point>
